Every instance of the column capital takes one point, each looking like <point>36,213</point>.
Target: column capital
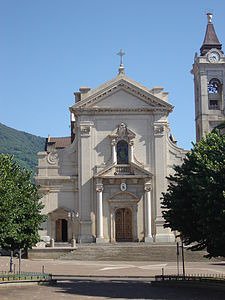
<point>113,142</point>
<point>131,143</point>
<point>148,187</point>
<point>99,187</point>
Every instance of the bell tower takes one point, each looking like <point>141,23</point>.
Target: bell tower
<point>209,78</point>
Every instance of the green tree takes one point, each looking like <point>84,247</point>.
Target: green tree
<point>194,204</point>
<point>220,127</point>
<point>20,208</point>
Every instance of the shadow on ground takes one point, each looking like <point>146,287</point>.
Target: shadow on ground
<point>218,264</point>
<point>134,290</point>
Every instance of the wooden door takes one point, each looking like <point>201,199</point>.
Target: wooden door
<point>123,222</point>
<point>58,225</point>
<point>61,230</point>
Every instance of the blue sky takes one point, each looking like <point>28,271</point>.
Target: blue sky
<point>49,48</point>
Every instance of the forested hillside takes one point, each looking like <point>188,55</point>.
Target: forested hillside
<point>22,145</point>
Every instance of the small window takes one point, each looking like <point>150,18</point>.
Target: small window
<point>213,104</point>
<point>214,93</point>
<point>122,152</point>
<point>214,86</point>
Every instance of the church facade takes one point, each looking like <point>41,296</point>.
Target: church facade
<point>103,184</point>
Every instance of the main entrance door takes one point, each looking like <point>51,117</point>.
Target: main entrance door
<point>123,225</point>
<point>61,230</point>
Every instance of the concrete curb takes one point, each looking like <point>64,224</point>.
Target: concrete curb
<point>27,282</point>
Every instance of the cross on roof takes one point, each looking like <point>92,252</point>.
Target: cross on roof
<point>121,53</point>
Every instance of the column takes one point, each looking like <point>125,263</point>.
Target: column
<point>100,237</point>
<point>131,143</point>
<point>114,158</point>
<point>148,214</point>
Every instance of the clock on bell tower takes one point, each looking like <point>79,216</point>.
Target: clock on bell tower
<point>209,78</point>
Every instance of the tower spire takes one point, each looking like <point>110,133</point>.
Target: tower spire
<point>211,40</point>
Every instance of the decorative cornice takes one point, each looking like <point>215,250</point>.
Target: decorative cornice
<point>92,110</point>
<point>54,180</point>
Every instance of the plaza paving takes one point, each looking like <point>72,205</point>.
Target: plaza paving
<point>108,289</point>
<point>115,268</point>
<point>105,281</point>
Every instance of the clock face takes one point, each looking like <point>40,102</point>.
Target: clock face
<point>213,57</point>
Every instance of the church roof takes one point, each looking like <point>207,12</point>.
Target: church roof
<point>211,40</point>
<point>57,142</point>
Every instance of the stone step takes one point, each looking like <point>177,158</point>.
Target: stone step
<point>62,244</point>
<point>130,252</point>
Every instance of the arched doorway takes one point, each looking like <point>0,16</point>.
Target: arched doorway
<point>61,230</point>
<point>123,222</point>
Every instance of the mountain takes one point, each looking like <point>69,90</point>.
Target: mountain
<point>24,146</point>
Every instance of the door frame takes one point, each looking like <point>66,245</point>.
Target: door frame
<point>131,202</point>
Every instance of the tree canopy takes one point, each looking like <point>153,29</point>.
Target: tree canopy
<point>194,204</point>
<point>20,208</point>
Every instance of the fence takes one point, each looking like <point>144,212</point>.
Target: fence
<point>193,277</point>
<point>33,276</point>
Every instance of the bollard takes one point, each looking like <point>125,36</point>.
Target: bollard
<point>52,243</point>
<point>73,243</point>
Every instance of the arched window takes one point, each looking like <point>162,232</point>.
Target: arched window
<point>214,93</point>
<point>122,152</point>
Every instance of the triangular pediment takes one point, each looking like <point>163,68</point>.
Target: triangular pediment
<point>122,93</point>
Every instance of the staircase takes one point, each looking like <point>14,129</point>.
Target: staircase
<point>130,252</point>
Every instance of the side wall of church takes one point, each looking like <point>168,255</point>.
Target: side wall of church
<point>57,177</point>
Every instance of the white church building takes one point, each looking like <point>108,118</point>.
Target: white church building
<point>103,184</point>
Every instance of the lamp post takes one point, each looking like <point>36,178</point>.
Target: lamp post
<point>11,262</point>
<point>182,252</point>
<point>178,253</point>
<point>72,215</point>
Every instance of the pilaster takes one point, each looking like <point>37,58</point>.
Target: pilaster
<point>85,179</point>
